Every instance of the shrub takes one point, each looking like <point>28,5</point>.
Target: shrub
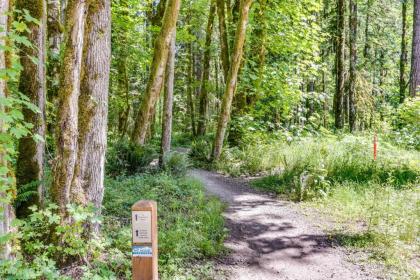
<point>125,158</point>
<point>176,164</point>
<point>200,150</point>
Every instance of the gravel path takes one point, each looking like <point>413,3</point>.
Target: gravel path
<point>269,239</point>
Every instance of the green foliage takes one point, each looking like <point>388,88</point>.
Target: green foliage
<point>200,149</point>
<point>176,163</point>
<point>126,158</point>
<point>190,224</point>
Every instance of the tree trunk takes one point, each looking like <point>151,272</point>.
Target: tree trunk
<point>168,101</point>
<point>32,83</point>
<point>367,21</point>
<point>93,106</point>
<point>68,109</point>
<point>415,57</point>
<point>123,86</point>
<point>353,63</point>
<point>156,77</point>
<point>224,46</point>
<point>54,30</point>
<point>203,99</point>
<point>403,55</point>
<point>6,210</point>
<point>232,78</point>
<point>190,89</point>
<point>339,90</point>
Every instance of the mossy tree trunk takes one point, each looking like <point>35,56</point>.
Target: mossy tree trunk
<point>190,89</point>
<point>157,72</point>
<point>68,109</point>
<point>168,101</point>
<point>203,98</point>
<point>93,105</point>
<point>223,36</point>
<point>232,78</point>
<point>32,83</point>
<point>6,210</point>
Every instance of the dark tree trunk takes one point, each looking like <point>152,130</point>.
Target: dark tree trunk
<point>203,99</point>
<point>415,57</point>
<point>403,55</point>
<point>353,64</point>
<point>367,22</point>
<point>339,90</point>
<point>32,83</point>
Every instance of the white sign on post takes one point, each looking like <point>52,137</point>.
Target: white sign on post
<point>142,226</point>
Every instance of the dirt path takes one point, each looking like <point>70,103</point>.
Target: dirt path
<point>270,239</point>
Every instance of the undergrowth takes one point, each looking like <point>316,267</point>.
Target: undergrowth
<point>191,229</point>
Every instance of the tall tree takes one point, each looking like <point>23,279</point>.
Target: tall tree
<point>32,83</point>
<point>403,55</point>
<point>203,98</point>
<point>190,88</point>
<point>353,63</point>
<point>68,109</point>
<point>156,77</point>
<point>415,56</point>
<point>339,87</point>
<point>223,34</point>
<point>232,78</point>
<point>168,101</point>
<point>93,105</point>
<point>6,210</point>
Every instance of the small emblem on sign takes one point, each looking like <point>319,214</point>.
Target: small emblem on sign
<point>142,251</point>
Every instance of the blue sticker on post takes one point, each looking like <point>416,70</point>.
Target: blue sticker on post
<point>141,251</point>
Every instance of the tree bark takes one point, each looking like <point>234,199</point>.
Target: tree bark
<point>168,101</point>
<point>203,99</point>
<point>339,90</point>
<point>223,34</point>
<point>93,107</point>
<point>68,109</point>
<point>155,82</point>
<point>190,89</point>
<point>353,64</point>
<point>415,57</point>
<point>367,22</point>
<point>6,209</point>
<point>32,83</point>
<point>403,55</point>
<point>232,78</point>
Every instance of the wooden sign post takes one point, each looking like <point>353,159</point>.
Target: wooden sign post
<point>144,248</point>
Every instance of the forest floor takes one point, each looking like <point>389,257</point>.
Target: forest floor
<point>272,239</point>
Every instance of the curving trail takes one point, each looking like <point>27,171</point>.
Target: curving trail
<point>269,239</point>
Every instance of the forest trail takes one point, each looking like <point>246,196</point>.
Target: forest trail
<point>269,239</point>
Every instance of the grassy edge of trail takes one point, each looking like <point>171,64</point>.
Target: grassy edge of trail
<point>191,225</point>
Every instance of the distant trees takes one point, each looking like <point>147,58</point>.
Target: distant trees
<point>353,64</point>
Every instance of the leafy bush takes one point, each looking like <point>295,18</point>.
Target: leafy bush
<point>125,158</point>
<point>176,163</point>
<point>200,150</point>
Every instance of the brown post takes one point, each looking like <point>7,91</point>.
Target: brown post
<point>144,232</point>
